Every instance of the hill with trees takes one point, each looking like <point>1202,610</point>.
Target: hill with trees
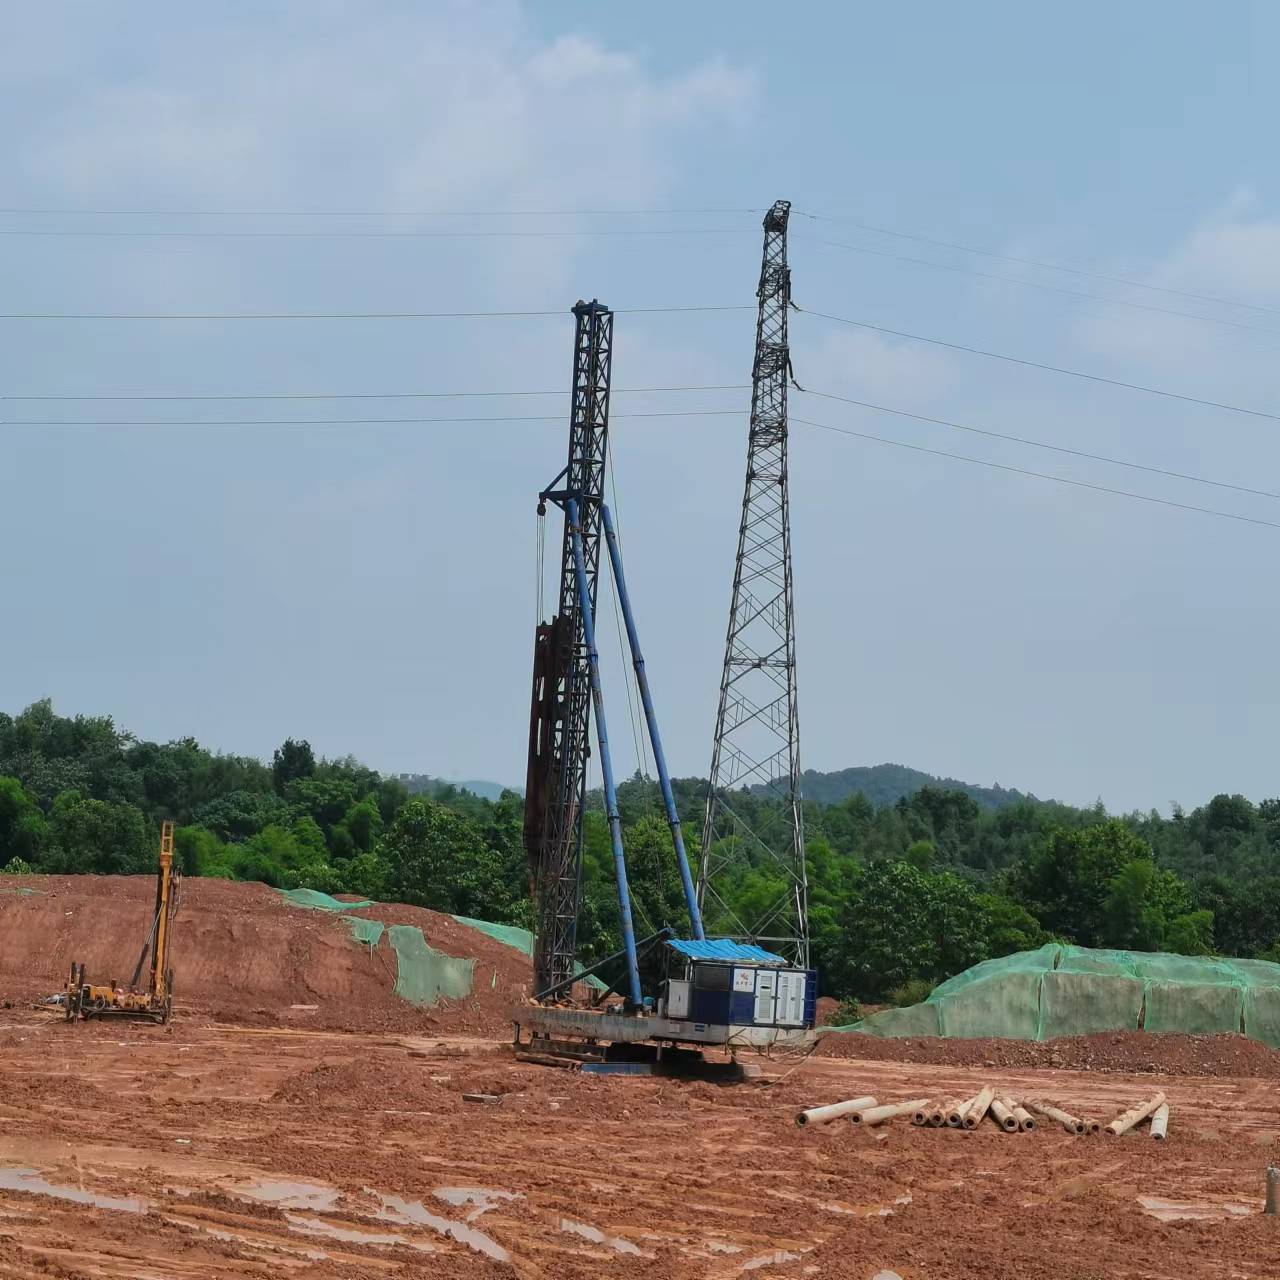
<point>888,783</point>
<point>902,893</point>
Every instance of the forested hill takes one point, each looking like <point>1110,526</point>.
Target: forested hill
<point>882,784</point>
<point>888,783</point>
<point>911,879</point>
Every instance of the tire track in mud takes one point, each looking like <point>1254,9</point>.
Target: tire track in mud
<point>699,1181</point>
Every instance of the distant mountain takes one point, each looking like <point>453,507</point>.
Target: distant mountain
<point>888,783</point>
<point>424,784</point>
<point>881,783</point>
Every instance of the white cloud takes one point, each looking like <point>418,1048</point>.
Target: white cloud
<point>868,366</point>
<point>431,108</point>
<point>1234,253</point>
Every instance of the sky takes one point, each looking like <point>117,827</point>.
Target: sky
<point>237,571</point>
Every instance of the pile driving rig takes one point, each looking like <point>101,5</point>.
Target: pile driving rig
<point>716,991</point>
<point>93,1000</point>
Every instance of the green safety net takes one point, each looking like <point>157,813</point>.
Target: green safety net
<point>21,891</point>
<point>314,900</point>
<point>1060,990</point>
<point>511,934</point>
<point>367,931</point>
<point>424,974</point>
<point>520,939</point>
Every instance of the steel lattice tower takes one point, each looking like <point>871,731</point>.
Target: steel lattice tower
<point>561,714</point>
<point>756,756</point>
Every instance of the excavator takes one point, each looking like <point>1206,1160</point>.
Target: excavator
<point>155,1003</point>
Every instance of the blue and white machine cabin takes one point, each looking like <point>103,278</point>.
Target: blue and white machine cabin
<point>735,984</point>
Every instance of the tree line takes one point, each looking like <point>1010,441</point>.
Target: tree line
<point>901,894</point>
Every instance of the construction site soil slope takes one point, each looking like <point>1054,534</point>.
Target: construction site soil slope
<point>1169,1052</point>
<point>243,954</point>
<point>195,1152</point>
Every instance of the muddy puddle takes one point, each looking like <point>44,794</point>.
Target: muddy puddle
<point>415,1213</point>
<point>31,1180</point>
<point>269,1245</point>
<point>774,1259</point>
<point>288,1195</point>
<point>617,1243</point>
<point>351,1235</point>
<point>482,1199</point>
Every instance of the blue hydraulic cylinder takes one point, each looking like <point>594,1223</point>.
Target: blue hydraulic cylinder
<point>606,762</point>
<point>651,718</point>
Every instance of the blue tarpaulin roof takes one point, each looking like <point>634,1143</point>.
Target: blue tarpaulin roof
<point>723,949</point>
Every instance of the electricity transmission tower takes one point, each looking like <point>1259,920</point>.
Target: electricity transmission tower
<point>560,717</point>
<point>753,816</point>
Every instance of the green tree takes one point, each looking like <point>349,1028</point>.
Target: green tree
<point>438,859</point>
<point>904,924</point>
<point>1190,934</point>
<point>920,854</point>
<point>366,874</point>
<point>306,832</point>
<point>239,814</point>
<point>88,835</point>
<point>22,826</point>
<point>1142,902</point>
<point>1066,882</point>
<point>1008,926</point>
<point>291,761</point>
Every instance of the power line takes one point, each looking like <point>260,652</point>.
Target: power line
<point>1039,284</point>
<point>1048,368</point>
<point>382,235</point>
<point>372,213</point>
<point>344,315</point>
<point>337,422</point>
<point>1039,475</point>
<point>1127,281</point>
<point>373,395</point>
<point>1041,444</point>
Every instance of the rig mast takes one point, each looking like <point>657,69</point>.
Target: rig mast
<point>560,718</point>
<point>756,755</point>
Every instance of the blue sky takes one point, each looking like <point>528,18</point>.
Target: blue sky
<point>371,586</point>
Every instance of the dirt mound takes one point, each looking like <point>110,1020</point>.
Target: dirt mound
<point>351,1085</point>
<point>243,954</point>
<point>1112,1051</point>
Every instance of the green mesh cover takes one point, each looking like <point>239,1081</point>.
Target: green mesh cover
<point>511,934</point>
<point>423,974</point>
<point>1199,1007</point>
<point>1262,1014</point>
<point>990,1007</point>
<point>20,891</point>
<point>917,1020</point>
<point>1022,961</point>
<point>514,936</point>
<point>1066,991</point>
<point>367,931</point>
<point>1078,1004</point>
<point>317,901</point>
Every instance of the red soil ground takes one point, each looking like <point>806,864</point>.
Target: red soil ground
<point>243,954</point>
<point>577,1176</point>
<point>572,1177</point>
<point>1132,1051</point>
